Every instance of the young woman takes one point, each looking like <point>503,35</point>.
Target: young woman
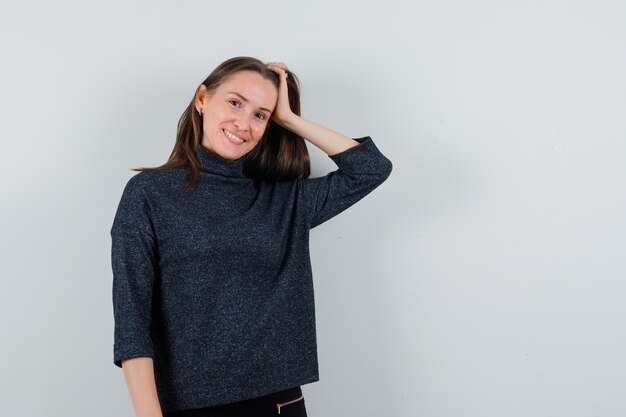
<point>212,285</point>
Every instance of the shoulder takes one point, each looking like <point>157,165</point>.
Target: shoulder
<point>153,179</point>
<point>284,185</point>
<point>278,191</point>
<point>139,184</point>
<point>152,185</point>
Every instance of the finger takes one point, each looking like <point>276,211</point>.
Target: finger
<point>278,70</point>
<point>278,64</point>
<point>282,67</point>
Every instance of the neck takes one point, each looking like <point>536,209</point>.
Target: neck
<point>215,164</point>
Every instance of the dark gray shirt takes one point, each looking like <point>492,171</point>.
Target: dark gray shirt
<point>216,285</point>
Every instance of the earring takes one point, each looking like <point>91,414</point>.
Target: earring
<point>199,113</point>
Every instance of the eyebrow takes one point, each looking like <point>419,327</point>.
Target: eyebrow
<point>246,100</point>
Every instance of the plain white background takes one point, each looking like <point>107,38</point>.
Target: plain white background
<point>485,278</point>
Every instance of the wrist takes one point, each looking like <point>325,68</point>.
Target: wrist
<point>290,122</point>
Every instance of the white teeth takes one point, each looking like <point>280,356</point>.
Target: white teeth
<point>233,137</point>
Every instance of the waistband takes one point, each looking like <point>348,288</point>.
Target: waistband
<point>243,408</point>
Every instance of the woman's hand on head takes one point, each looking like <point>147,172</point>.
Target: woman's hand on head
<point>282,113</point>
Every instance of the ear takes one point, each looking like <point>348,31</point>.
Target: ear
<point>202,94</point>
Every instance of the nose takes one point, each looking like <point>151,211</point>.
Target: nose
<point>241,124</point>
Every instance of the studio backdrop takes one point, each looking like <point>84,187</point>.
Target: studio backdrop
<point>484,278</point>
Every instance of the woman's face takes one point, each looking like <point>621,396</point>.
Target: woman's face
<point>236,113</point>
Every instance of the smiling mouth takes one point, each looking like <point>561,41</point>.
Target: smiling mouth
<point>233,138</point>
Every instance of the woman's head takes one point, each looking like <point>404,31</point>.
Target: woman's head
<point>235,113</point>
<point>236,101</point>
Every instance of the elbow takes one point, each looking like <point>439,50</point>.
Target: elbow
<point>386,167</point>
<point>389,167</point>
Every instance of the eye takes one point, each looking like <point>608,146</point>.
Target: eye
<point>260,116</point>
<point>234,103</point>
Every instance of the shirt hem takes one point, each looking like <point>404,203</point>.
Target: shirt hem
<point>211,402</point>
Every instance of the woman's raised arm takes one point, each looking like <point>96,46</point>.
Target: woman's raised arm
<point>325,139</point>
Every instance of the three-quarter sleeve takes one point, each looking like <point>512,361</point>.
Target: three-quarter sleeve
<point>361,169</point>
<point>134,260</point>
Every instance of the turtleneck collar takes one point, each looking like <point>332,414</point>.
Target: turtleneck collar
<point>215,164</point>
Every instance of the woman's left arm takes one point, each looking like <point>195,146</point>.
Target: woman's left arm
<point>362,167</point>
<point>325,139</point>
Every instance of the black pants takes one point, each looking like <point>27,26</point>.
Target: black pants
<point>287,403</point>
